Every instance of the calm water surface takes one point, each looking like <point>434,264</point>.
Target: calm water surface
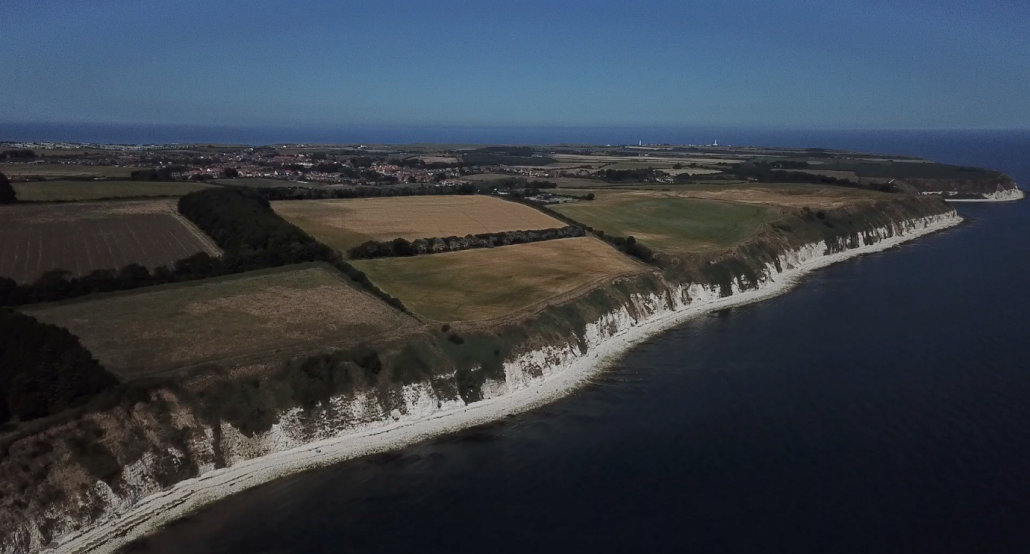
<point>882,406</point>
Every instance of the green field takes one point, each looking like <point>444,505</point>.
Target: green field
<point>671,223</point>
<point>492,283</point>
<point>268,312</point>
<point>53,191</point>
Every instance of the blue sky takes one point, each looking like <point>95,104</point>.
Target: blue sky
<point>772,63</point>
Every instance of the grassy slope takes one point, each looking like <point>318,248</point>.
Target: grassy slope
<point>492,283</point>
<point>150,330</point>
<point>670,223</point>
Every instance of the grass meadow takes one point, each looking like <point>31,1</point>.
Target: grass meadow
<point>669,222</point>
<point>488,284</point>
<point>139,333</point>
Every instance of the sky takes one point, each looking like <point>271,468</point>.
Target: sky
<point>845,64</point>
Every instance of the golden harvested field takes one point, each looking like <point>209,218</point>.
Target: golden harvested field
<point>84,236</point>
<point>51,191</point>
<point>487,284</point>
<point>343,224</point>
<point>268,312</point>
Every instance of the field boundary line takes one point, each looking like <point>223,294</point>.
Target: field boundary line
<point>205,240</point>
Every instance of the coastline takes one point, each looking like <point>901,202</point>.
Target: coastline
<point>1001,196</point>
<point>185,497</point>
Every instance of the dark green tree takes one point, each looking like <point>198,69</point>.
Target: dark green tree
<point>7,194</point>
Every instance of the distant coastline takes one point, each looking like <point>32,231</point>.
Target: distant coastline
<point>898,141</point>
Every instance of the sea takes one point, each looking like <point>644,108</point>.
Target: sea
<point>881,406</point>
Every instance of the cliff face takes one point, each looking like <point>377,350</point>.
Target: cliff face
<point>100,480</point>
<point>997,187</point>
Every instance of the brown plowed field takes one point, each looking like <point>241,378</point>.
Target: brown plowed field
<point>84,237</point>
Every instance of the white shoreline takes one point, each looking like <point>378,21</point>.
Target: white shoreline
<point>1001,196</point>
<point>159,509</point>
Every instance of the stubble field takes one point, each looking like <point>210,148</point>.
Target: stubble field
<point>343,224</point>
<point>83,237</point>
<point>269,312</point>
<point>488,284</point>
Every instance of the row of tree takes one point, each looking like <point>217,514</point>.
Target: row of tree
<point>244,225</point>
<point>780,172</point>
<point>417,163</point>
<point>311,193</point>
<point>631,175</point>
<point>627,245</point>
<point>59,284</point>
<point>401,247</point>
<point>44,369</point>
<point>155,174</point>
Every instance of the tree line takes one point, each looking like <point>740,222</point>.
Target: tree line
<point>241,222</point>
<point>626,245</point>
<point>244,225</point>
<point>632,175</point>
<point>400,247</point>
<point>156,174</point>
<point>780,172</point>
<point>44,369</point>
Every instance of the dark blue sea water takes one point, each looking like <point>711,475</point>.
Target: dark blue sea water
<point>947,143</point>
<point>883,406</point>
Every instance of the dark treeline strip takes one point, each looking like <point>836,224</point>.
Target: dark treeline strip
<point>18,155</point>
<point>311,193</point>
<point>417,163</point>
<point>779,172</point>
<point>156,174</point>
<point>58,284</point>
<point>243,224</point>
<point>324,193</point>
<point>7,194</point>
<point>401,247</point>
<point>633,175</point>
<point>479,158</point>
<point>239,220</point>
<point>253,236</point>
<point>626,245</point>
<point>44,369</point>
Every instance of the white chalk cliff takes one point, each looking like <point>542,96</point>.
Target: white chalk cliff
<point>358,424</point>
